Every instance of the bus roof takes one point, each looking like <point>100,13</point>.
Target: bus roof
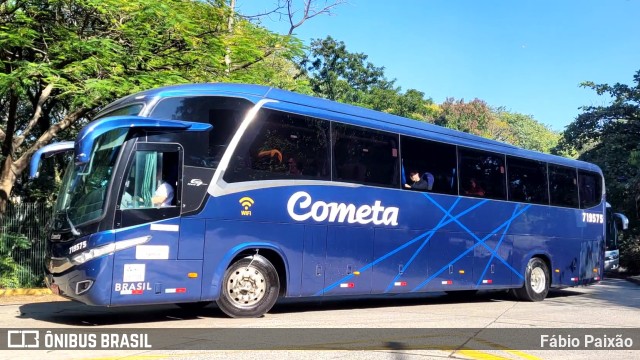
<point>369,117</point>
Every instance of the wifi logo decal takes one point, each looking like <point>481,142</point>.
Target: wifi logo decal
<point>246,203</point>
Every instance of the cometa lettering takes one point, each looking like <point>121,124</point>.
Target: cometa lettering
<point>301,207</point>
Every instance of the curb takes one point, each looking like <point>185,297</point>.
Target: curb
<point>17,292</point>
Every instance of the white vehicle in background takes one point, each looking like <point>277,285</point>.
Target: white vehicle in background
<point>616,222</point>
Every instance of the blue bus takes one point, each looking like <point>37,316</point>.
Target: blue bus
<point>242,194</point>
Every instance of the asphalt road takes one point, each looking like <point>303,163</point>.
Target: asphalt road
<point>614,303</point>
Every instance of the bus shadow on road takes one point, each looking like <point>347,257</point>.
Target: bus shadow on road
<point>77,314</point>
<point>372,302</point>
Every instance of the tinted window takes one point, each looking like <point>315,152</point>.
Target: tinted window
<point>433,162</point>
<point>563,186</point>
<point>133,109</point>
<point>278,145</point>
<point>224,114</point>
<point>590,185</point>
<point>152,181</point>
<point>482,174</point>
<point>365,156</point>
<point>527,181</point>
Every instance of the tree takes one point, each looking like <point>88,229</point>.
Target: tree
<point>527,133</point>
<point>598,122</point>
<point>609,136</point>
<point>473,117</point>
<point>338,74</point>
<point>63,59</point>
<point>295,16</point>
<point>296,12</point>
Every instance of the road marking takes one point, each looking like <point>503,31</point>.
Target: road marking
<point>139,357</point>
<point>481,355</point>
<point>522,354</point>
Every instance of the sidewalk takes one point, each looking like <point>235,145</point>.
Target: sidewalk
<point>19,292</point>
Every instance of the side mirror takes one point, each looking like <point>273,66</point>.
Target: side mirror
<point>624,221</point>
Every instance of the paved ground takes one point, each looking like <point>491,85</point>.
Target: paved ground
<point>614,303</point>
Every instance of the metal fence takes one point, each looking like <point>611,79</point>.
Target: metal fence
<point>22,244</point>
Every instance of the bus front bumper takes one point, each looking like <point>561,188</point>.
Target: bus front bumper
<point>78,282</point>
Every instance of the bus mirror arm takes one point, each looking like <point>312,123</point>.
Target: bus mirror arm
<point>45,152</point>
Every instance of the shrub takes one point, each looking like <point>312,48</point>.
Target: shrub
<point>630,254</point>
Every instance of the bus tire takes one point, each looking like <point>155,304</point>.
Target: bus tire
<point>250,288</point>
<point>536,281</point>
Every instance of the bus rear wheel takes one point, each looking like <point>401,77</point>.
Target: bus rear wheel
<point>536,281</point>
<point>250,288</point>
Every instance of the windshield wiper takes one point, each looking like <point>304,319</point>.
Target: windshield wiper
<point>74,231</point>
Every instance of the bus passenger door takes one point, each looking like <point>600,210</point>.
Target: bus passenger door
<point>349,250</point>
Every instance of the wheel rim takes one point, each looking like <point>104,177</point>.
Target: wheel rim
<point>538,280</point>
<point>246,286</point>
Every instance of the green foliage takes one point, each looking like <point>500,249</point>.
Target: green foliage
<point>609,137</point>
<point>598,122</point>
<point>528,133</point>
<point>12,273</point>
<point>473,117</point>
<point>335,73</point>
<point>630,254</point>
<point>21,248</point>
<point>95,51</point>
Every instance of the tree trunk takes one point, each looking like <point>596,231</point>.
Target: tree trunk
<point>227,55</point>
<point>11,169</point>
<point>7,179</point>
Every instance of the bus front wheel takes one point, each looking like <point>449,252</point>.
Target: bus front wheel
<point>536,281</point>
<point>250,289</point>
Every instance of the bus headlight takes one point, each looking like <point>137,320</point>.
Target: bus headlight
<point>108,249</point>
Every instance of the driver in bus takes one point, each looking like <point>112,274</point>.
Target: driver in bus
<point>163,195</point>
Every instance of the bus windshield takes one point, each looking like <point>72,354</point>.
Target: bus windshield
<point>84,186</point>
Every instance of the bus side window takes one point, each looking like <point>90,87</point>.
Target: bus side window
<point>279,145</point>
<point>435,163</point>
<point>152,181</point>
<point>224,114</point>
<point>365,156</point>
<point>527,181</point>
<point>563,186</point>
<point>590,188</point>
<point>482,174</point>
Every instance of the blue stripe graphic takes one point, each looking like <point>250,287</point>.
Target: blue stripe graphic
<point>387,255</point>
<point>480,241</point>
<point>496,249</point>
<point>426,241</point>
